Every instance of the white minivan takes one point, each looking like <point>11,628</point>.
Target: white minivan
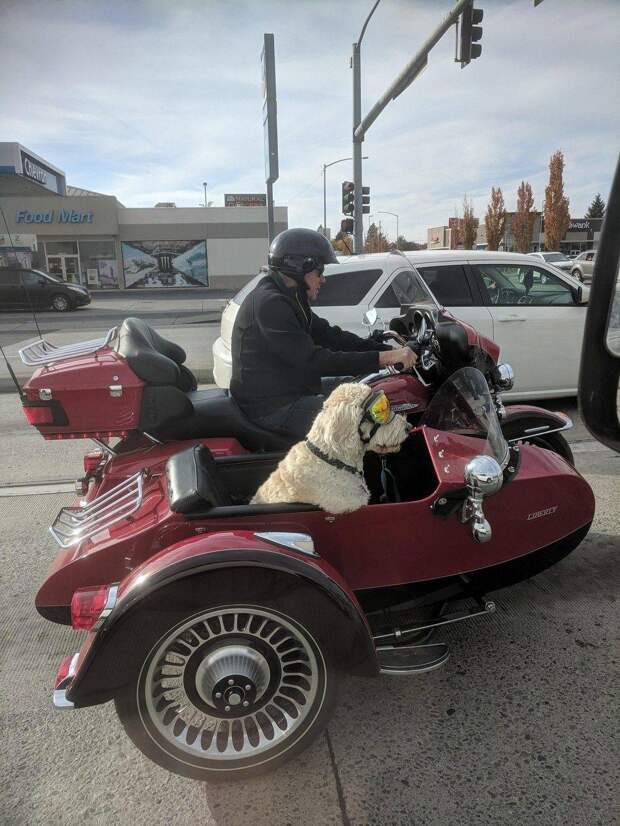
<point>534,312</point>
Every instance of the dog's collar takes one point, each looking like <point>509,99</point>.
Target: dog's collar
<point>334,462</point>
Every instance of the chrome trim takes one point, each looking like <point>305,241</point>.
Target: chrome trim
<point>380,374</point>
<point>544,429</point>
<point>116,390</point>
<point>505,376</point>
<point>45,394</point>
<point>301,542</point>
<point>75,524</point>
<point>108,608</point>
<point>60,692</point>
<point>106,448</point>
<point>43,352</point>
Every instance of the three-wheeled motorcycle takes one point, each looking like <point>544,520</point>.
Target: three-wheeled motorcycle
<point>219,628</point>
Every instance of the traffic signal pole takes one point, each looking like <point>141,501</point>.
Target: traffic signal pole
<point>406,77</point>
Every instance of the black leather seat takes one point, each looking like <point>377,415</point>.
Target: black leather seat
<point>172,407</point>
<point>154,359</point>
<point>196,489</point>
<point>215,413</point>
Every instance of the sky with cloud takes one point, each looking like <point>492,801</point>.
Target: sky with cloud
<point>146,99</point>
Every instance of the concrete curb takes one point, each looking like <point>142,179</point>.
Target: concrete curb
<point>204,375</point>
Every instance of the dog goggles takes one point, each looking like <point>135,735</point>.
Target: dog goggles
<point>378,409</point>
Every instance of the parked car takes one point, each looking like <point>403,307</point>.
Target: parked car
<point>583,266</point>
<point>558,259</point>
<point>25,289</point>
<point>538,325</point>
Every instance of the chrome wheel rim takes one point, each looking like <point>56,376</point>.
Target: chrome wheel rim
<point>231,687</point>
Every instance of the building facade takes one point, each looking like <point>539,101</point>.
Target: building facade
<point>582,234</point>
<point>92,239</point>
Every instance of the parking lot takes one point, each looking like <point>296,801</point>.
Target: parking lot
<point>516,728</point>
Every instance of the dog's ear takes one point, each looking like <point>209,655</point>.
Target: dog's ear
<point>337,425</point>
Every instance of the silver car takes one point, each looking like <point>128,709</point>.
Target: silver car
<point>583,266</point>
<point>558,259</point>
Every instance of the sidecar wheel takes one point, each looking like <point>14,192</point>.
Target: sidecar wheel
<point>228,692</point>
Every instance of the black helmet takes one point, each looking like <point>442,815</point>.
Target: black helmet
<point>295,252</point>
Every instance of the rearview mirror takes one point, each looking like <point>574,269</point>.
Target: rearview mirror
<point>577,294</point>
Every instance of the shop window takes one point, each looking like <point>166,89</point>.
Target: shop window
<point>98,264</point>
<point>61,247</point>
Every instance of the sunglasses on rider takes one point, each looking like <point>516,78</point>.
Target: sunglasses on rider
<point>378,409</point>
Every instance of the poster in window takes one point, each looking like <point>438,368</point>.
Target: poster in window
<point>165,264</point>
<point>108,276</point>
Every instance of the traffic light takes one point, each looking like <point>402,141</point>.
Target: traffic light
<point>365,199</point>
<point>470,34</point>
<point>348,197</point>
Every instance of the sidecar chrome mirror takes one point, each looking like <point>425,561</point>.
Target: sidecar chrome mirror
<point>370,317</point>
<point>483,477</point>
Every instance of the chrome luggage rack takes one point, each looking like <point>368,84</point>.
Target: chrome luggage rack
<point>74,524</point>
<point>42,352</point>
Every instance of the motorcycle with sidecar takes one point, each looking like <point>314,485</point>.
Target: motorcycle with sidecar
<point>220,628</point>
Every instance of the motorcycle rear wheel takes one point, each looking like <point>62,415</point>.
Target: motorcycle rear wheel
<point>555,442</point>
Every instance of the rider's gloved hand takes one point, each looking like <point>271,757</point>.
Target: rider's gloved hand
<point>401,355</point>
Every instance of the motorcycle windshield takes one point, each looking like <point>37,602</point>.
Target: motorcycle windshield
<point>463,405</point>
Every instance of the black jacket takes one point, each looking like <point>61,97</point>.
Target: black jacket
<point>281,349</point>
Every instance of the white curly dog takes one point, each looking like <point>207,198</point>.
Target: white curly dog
<point>327,468</point>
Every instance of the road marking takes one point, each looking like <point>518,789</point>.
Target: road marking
<point>34,488</point>
<point>589,446</point>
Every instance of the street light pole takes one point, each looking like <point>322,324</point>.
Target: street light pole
<point>204,183</point>
<point>385,212</point>
<point>358,212</point>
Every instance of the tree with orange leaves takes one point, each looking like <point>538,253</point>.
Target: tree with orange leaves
<point>495,219</point>
<point>556,214</point>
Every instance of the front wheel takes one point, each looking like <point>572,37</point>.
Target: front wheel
<point>60,303</point>
<point>228,692</point>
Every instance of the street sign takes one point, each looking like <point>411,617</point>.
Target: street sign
<point>270,112</point>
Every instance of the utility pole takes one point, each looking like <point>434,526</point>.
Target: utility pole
<point>204,183</point>
<point>404,79</point>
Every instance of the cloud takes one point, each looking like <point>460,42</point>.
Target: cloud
<point>145,100</point>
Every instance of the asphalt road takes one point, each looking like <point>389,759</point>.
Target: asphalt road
<point>517,728</point>
<point>109,309</point>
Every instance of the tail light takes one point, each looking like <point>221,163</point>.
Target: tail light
<point>39,415</point>
<point>87,605</point>
<point>45,413</point>
<point>92,461</point>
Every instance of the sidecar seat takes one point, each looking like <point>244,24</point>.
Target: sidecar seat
<point>196,488</point>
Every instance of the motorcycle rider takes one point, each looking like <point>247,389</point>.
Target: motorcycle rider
<point>282,352</point>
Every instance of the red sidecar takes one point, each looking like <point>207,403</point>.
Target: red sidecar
<point>219,627</point>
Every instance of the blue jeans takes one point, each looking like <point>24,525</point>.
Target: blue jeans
<point>295,419</point>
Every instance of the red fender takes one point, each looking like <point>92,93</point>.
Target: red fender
<point>108,655</point>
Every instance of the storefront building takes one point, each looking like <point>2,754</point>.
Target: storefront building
<point>582,234</point>
<point>91,239</point>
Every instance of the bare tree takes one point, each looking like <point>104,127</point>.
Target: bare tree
<point>470,225</point>
<point>495,219</point>
<point>523,219</point>
<point>557,217</point>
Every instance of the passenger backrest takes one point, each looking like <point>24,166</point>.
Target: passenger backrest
<point>153,358</point>
<point>193,483</point>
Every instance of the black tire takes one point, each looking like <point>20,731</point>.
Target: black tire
<point>60,303</point>
<point>555,442</point>
<point>181,709</point>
